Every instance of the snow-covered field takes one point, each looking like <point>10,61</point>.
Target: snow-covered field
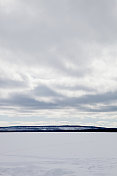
<point>58,154</point>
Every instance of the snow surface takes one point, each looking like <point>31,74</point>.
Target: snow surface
<point>58,154</point>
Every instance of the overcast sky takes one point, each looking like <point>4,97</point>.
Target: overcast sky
<point>58,62</point>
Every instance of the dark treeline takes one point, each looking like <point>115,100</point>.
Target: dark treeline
<point>67,128</point>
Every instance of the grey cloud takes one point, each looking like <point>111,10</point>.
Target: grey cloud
<point>45,91</point>
<point>23,100</point>
<point>107,109</point>
<point>58,24</point>
<point>59,21</point>
<point>69,26</point>
<point>77,88</point>
<point>108,97</point>
<point>8,84</point>
<point>99,18</point>
<point>98,98</point>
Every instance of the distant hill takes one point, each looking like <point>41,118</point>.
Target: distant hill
<point>64,128</point>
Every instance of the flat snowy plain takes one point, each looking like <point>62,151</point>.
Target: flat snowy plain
<point>58,154</point>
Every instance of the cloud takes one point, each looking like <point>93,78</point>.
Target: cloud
<point>58,55</point>
<point>10,84</point>
<point>44,91</point>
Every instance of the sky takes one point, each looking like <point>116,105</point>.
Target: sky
<point>58,62</point>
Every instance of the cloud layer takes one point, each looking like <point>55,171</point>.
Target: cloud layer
<point>58,62</point>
